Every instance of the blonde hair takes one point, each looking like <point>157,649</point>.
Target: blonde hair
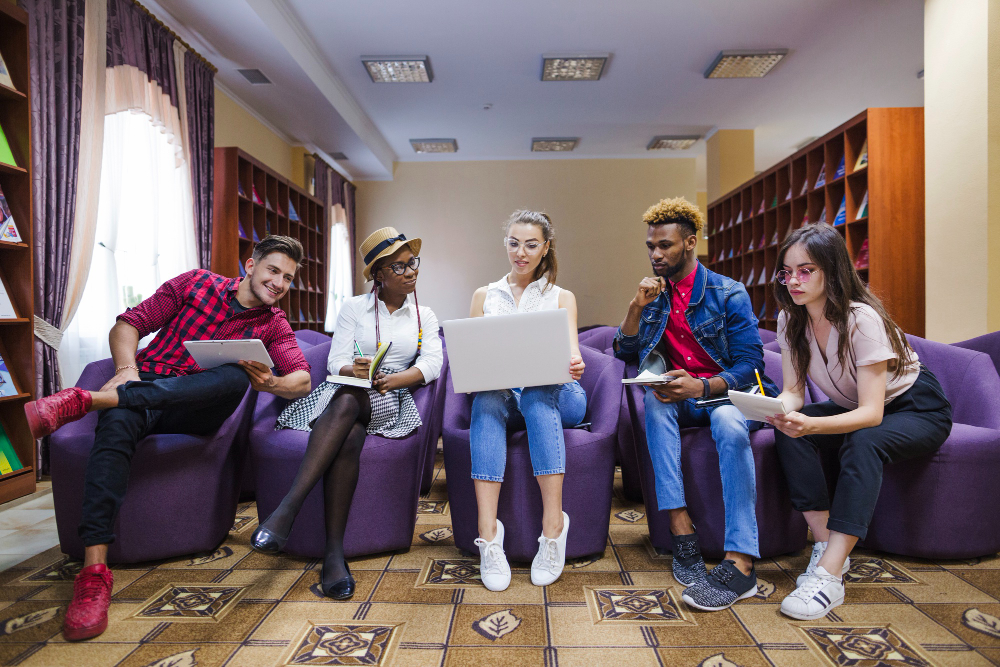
<point>677,210</point>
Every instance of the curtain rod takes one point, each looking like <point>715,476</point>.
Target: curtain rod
<point>215,70</point>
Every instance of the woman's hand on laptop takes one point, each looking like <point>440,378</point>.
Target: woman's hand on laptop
<point>576,366</point>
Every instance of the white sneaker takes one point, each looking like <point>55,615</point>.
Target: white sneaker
<point>814,599</point>
<point>493,567</point>
<point>551,557</point>
<point>819,548</point>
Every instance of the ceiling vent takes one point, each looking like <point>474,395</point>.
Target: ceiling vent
<point>676,143</point>
<point>553,144</point>
<point>254,76</point>
<point>744,64</point>
<point>434,145</point>
<point>340,157</point>
<point>574,67</point>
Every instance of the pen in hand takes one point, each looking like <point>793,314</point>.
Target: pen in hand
<point>759,383</point>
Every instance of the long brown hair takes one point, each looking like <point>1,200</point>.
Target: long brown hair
<point>548,266</point>
<point>827,250</point>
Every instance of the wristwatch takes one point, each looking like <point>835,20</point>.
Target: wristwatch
<point>708,389</point>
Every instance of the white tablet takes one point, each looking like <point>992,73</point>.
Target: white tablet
<point>756,407</point>
<point>212,353</point>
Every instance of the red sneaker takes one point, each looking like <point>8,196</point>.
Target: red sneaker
<point>87,615</point>
<point>47,414</point>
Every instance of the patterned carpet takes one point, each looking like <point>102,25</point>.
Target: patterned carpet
<point>427,607</point>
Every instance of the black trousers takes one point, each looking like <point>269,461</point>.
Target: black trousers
<point>195,404</point>
<point>915,423</point>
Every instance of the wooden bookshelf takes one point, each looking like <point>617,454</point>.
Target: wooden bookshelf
<point>239,222</point>
<point>746,226</point>
<point>16,262</point>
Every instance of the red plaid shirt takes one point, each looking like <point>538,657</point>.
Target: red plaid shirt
<point>197,305</point>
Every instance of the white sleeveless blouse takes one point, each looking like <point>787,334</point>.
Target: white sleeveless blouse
<point>500,300</point>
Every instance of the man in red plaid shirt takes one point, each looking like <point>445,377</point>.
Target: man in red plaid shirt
<point>162,390</point>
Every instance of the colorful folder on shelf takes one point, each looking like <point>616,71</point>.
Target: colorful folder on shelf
<point>267,204</point>
<point>7,386</point>
<point>763,278</point>
<point>761,209</point>
<point>722,255</point>
<point>243,233</point>
<point>8,229</point>
<point>861,262</point>
<point>6,156</point>
<point>863,209</point>
<point>8,457</point>
<point>774,202</point>
<point>763,240</point>
<point>749,281</point>
<point>822,216</point>
<point>862,157</point>
<point>256,238</point>
<point>805,219</point>
<point>292,214</point>
<point>256,197</point>
<point>805,187</point>
<point>739,218</point>
<point>841,217</point>
<point>302,316</point>
<point>840,169</point>
<point>821,179</point>
<point>5,74</point>
<point>788,195</point>
<point>750,249</point>
<point>774,239</point>
<point>7,311</point>
<point>240,190</point>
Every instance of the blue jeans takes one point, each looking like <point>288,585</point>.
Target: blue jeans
<point>731,433</point>
<point>543,411</point>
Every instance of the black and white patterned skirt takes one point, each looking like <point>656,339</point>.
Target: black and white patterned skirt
<point>394,414</point>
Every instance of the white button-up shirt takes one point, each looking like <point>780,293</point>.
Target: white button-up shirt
<point>356,322</point>
<point>500,299</point>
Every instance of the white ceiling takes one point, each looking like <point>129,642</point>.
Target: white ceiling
<point>846,55</point>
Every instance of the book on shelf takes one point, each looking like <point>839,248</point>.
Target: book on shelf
<point>761,209</point>
<point>256,238</point>
<point>762,280</point>
<point>302,315</point>
<point>788,195</point>
<point>8,229</point>
<point>240,190</point>
<point>292,214</point>
<point>256,197</point>
<point>863,209</point>
<point>763,240</point>
<point>243,234</point>
<point>722,255</point>
<point>840,169</point>
<point>760,313</point>
<point>739,218</point>
<point>8,457</point>
<point>805,187</point>
<point>821,179</point>
<point>267,203</point>
<point>862,157</point>
<point>841,217</point>
<point>750,249</point>
<point>774,239</point>
<point>730,254</point>
<point>805,220</point>
<point>6,156</point>
<point>822,215</point>
<point>749,281</point>
<point>5,74</point>
<point>774,202</point>
<point>7,311</point>
<point>7,386</point>
<point>861,262</point>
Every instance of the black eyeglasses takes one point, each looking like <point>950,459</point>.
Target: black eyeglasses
<point>399,268</point>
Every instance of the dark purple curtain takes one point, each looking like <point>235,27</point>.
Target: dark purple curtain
<point>349,191</point>
<point>321,176</point>
<point>199,91</point>
<point>55,33</point>
<point>136,38</point>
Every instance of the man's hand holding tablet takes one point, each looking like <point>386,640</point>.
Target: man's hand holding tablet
<point>261,377</point>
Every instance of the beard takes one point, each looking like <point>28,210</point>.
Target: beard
<point>668,270</point>
<point>262,294</point>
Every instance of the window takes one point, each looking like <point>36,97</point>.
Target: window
<point>341,282</point>
<point>145,233</point>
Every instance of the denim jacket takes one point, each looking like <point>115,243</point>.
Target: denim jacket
<point>721,318</point>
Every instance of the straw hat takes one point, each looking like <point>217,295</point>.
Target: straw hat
<point>382,243</point>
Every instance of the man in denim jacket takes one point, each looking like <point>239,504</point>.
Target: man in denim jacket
<point>699,326</point>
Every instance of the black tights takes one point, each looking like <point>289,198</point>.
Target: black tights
<point>333,453</point>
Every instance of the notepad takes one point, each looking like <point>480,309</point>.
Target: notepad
<point>756,407</point>
<point>646,377</point>
<point>372,371</point>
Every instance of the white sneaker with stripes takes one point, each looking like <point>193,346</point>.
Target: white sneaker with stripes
<point>814,599</point>
<point>819,548</point>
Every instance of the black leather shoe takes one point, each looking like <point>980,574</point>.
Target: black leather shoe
<point>266,541</point>
<point>341,589</point>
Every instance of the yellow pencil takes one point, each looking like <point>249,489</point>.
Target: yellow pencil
<point>759,383</point>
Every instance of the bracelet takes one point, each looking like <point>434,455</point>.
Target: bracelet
<point>121,368</point>
<point>708,389</point>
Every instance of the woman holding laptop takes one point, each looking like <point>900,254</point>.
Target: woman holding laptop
<point>339,416</point>
<point>885,405</point>
<point>544,411</point>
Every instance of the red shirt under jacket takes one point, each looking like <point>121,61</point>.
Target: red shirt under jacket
<point>197,305</point>
<point>683,351</point>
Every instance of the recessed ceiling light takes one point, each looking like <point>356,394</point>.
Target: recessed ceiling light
<point>553,144</point>
<point>744,64</point>
<point>677,143</point>
<point>573,67</point>
<point>434,145</point>
<point>398,69</point>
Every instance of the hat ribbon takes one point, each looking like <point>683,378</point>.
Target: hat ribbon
<point>373,253</point>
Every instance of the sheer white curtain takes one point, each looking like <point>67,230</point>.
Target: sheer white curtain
<point>145,233</point>
<point>341,282</point>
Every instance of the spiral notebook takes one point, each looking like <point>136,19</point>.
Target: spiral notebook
<point>372,370</point>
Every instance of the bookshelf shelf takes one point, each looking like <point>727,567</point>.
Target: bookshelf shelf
<point>890,184</point>
<point>240,222</point>
<point>16,261</point>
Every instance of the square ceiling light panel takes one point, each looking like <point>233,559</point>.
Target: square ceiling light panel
<point>553,144</point>
<point>676,143</point>
<point>398,69</point>
<point>744,64</point>
<point>573,67</point>
<point>434,145</point>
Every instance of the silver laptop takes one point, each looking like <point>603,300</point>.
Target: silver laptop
<point>507,351</point>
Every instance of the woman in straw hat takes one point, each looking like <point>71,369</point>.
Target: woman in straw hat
<point>339,416</point>
<point>543,411</point>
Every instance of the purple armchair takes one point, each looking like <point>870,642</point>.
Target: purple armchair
<point>384,509</point>
<point>940,506</point>
<point>182,490</point>
<point>599,338</point>
<point>434,426</point>
<point>587,488</point>
<point>781,529</point>
<point>989,344</point>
